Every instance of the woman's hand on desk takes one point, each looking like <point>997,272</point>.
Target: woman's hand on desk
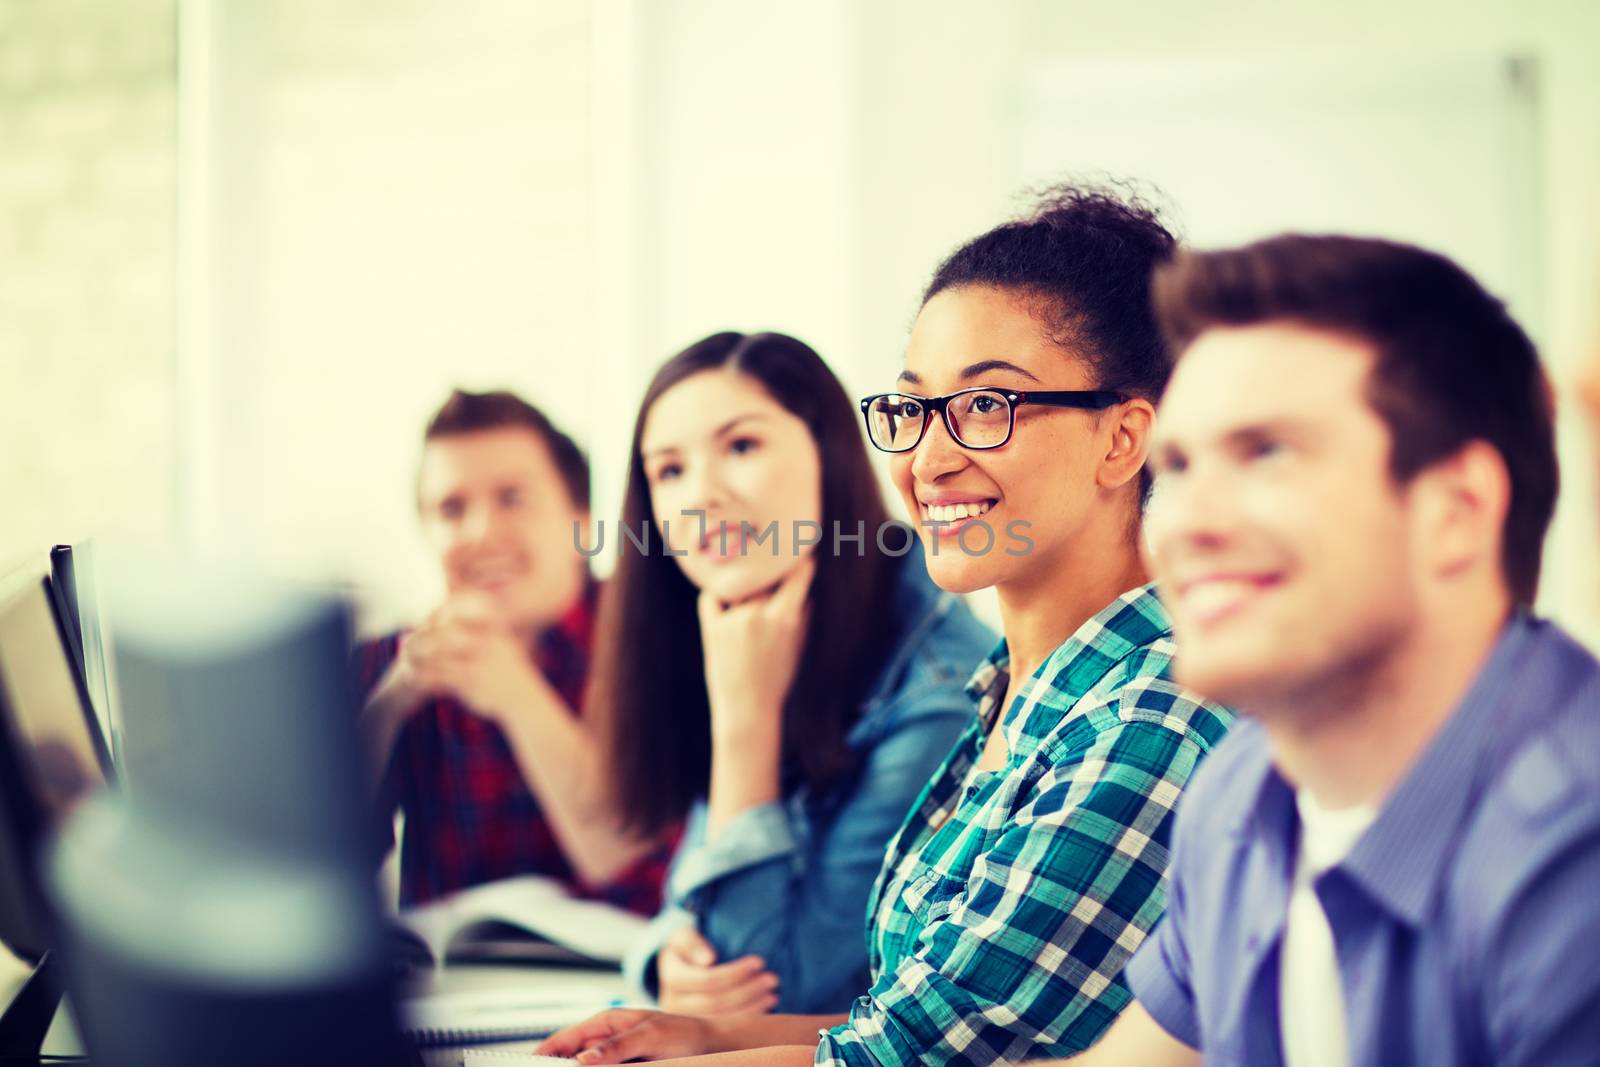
<point>694,983</point>
<point>627,1034</point>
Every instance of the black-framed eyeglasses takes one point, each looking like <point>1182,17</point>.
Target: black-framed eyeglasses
<point>976,418</point>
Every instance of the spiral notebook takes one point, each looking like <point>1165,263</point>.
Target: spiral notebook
<point>495,1015</point>
<point>482,1058</point>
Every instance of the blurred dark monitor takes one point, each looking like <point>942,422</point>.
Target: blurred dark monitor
<point>64,585</point>
<point>245,926</point>
<point>51,756</point>
<point>74,583</point>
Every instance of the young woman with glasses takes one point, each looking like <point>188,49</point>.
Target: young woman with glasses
<point>774,664</point>
<point>1031,868</point>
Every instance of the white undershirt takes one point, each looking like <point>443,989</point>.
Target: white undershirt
<point>1311,1000</point>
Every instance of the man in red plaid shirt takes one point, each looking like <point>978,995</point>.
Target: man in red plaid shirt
<point>471,718</point>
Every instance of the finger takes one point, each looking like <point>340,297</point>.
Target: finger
<point>707,1004</point>
<point>440,646</point>
<point>457,630</point>
<point>678,975</point>
<point>733,973</point>
<point>417,642</point>
<point>691,947</point>
<point>443,666</point>
<point>636,1043</point>
<point>722,977</point>
<point>458,640</point>
<point>570,1040</point>
<point>758,994</point>
<point>423,656</point>
<point>675,1001</point>
<point>437,617</point>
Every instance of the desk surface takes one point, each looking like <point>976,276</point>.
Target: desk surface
<point>63,1039</point>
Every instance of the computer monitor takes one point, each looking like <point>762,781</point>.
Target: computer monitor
<point>74,581</point>
<point>244,927</point>
<point>64,584</point>
<point>46,696</point>
<point>51,757</point>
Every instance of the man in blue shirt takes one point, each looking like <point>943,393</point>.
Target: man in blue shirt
<point>1396,859</point>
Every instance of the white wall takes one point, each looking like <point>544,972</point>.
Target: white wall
<point>382,200</point>
<point>391,183</point>
<point>747,172</point>
<point>1560,36</point>
<point>930,136</point>
<point>87,140</point>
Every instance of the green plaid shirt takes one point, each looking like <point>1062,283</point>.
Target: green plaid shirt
<point>1010,900</point>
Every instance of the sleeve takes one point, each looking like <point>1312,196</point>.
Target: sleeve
<point>1159,973</point>
<point>797,896</point>
<point>1542,991</point>
<point>639,965</point>
<point>1028,959</point>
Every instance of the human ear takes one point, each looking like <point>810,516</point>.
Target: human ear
<point>1128,443</point>
<point>1461,504</point>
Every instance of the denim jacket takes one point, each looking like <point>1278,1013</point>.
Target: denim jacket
<point>788,881</point>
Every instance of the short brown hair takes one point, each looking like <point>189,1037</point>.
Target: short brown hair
<point>464,412</point>
<point>1452,365</point>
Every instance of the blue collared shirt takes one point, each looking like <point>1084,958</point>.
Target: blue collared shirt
<point>788,881</point>
<point>1466,919</point>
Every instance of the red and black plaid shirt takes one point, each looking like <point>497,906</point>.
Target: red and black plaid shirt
<point>470,817</point>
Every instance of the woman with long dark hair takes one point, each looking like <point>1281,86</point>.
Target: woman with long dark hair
<point>774,666</point>
<point>1032,866</point>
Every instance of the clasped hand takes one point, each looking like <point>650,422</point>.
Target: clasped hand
<point>465,650</point>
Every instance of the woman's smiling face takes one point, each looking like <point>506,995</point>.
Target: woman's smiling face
<point>735,482</point>
<point>1034,492</point>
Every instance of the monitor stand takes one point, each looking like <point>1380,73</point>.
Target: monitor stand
<point>26,1022</point>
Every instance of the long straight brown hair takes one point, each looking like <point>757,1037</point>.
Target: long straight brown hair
<point>648,690</point>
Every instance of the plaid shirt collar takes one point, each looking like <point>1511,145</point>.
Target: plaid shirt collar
<point>1079,664</point>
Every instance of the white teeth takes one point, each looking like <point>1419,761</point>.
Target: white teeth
<point>953,512</point>
<point>1211,597</point>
